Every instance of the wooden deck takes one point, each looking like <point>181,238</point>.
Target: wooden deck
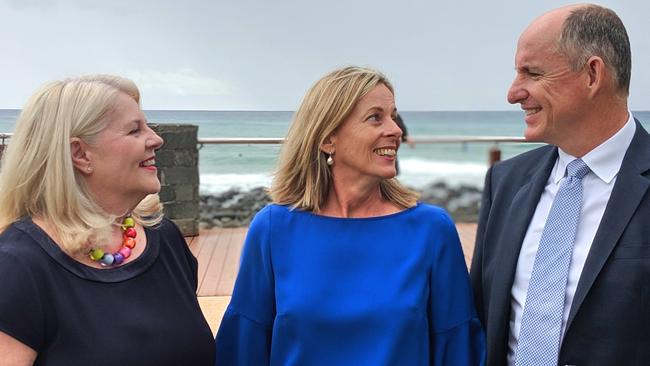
<point>217,251</point>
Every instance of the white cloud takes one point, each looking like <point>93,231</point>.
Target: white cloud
<point>184,82</point>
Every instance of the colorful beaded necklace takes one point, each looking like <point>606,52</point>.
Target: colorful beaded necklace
<point>117,258</point>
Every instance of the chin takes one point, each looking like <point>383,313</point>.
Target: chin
<point>532,135</point>
<point>389,175</point>
<point>153,189</point>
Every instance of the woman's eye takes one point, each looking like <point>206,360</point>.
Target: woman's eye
<point>375,117</point>
<point>134,131</point>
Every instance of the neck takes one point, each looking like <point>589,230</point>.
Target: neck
<point>356,201</point>
<point>604,121</point>
<point>117,207</point>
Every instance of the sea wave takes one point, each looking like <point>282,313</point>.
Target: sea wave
<point>419,173</point>
<point>219,183</point>
<point>414,172</point>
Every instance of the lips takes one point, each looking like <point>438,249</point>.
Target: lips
<point>148,163</point>
<point>386,151</point>
<point>531,111</point>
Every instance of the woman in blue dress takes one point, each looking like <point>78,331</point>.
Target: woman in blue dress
<point>346,267</point>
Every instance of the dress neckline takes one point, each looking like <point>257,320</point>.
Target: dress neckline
<point>107,275</point>
<point>359,219</point>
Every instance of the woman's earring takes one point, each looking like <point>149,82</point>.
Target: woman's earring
<point>330,161</point>
<point>89,169</point>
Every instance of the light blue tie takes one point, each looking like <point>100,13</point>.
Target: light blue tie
<point>541,323</point>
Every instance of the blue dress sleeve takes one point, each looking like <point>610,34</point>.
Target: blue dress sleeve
<point>456,334</point>
<point>244,336</point>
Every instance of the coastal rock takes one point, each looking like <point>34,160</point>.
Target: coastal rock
<point>232,208</point>
<point>235,208</point>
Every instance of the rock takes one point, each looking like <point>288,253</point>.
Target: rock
<point>235,208</point>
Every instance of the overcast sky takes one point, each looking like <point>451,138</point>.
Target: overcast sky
<point>264,54</point>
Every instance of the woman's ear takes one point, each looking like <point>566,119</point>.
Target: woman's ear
<point>80,158</point>
<point>327,146</point>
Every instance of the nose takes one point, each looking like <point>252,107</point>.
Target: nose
<point>154,141</point>
<point>394,130</point>
<point>517,92</point>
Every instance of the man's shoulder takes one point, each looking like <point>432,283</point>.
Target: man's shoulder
<point>525,160</point>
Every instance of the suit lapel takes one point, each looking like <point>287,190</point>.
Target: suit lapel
<point>629,189</point>
<point>518,218</point>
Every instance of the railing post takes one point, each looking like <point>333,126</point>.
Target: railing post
<point>178,171</point>
<point>2,146</point>
<point>494,155</point>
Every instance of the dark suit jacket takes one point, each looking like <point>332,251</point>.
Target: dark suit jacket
<point>609,320</point>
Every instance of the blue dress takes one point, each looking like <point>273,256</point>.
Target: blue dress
<point>317,290</point>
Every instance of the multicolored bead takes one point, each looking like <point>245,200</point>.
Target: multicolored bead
<point>130,232</point>
<point>96,254</point>
<point>117,258</point>
<point>107,260</point>
<point>128,222</point>
<point>129,243</point>
<point>125,251</point>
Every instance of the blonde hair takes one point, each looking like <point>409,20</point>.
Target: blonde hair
<point>303,178</point>
<point>37,177</point>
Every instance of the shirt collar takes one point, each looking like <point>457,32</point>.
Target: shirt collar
<point>605,160</point>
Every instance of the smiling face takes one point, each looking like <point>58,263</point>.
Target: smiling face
<point>365,144</point>
<point>552,96</point>
<point>121,157</point>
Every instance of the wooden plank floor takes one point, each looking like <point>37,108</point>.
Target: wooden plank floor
<point>217,251</point>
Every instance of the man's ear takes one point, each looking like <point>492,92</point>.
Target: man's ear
<point>80,158</point>
<point>596,71</point>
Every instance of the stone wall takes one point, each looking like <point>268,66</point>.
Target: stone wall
<point>178,171</point>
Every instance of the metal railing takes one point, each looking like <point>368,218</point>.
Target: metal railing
<point>416,139</point>
<point>279,140</point>
<point>494,153</point>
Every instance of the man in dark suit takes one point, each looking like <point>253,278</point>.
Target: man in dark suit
<point>572,80</point>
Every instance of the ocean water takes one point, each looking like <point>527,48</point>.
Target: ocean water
<point>223,167</point>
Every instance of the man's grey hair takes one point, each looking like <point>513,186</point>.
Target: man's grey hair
<point>592,30</point>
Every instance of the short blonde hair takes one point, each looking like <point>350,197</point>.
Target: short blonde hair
<point>303,178</point>
<point>37,177</point>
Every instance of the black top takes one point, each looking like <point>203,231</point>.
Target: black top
<point>142,313</point>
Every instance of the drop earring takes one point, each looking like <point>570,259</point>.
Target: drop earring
<point>330,161</point>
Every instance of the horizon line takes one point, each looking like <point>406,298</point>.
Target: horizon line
<point>293,111</point>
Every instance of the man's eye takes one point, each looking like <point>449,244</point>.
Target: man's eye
<point>134,131</point>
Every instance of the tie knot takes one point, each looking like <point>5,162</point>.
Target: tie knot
<point>577,168</point>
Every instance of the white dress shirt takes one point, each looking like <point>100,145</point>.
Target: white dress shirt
<point>604,162</point>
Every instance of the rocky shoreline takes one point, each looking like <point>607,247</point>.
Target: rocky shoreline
<point>235,208</point>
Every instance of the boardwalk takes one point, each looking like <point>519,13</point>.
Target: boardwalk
<point>218,250</point>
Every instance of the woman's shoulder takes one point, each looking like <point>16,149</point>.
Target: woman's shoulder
<point>429,210</point>
<point>436,218</point>
<point>20,251</point>
<point>275,212</point>
<point>167,229</point>
<point>20,239</point>
<point>167,225</point>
